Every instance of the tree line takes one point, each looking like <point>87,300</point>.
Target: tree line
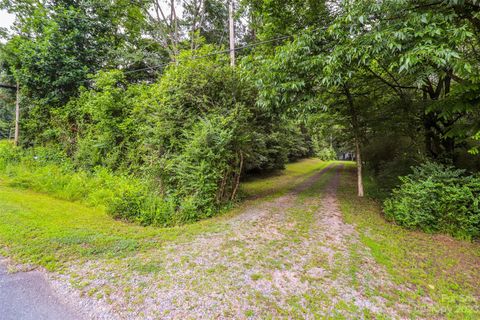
<point>146,88</point>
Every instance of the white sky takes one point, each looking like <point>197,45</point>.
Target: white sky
<point>6,19</point>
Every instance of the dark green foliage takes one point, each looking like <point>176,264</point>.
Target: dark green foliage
<point>205,174</point>
<point>7,109</point>
<point>58,44</point>
<point>124,196</point>
<point>100,127</point>
<point>437,198</point>
<point>190,137</point>
<point>387,161</point>
<point>274,18</point>
<point>140,204</point>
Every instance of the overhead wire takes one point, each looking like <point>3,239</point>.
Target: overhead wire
<point>251,45</point>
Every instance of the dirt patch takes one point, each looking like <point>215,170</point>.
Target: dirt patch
<point>290,257</point>
<point>338,239</point>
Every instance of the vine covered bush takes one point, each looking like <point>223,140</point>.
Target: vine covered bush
<point>178,146</point>
<point>437,198</point>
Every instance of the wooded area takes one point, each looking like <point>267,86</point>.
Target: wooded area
<point>172,103</point>
<point>240,159</point>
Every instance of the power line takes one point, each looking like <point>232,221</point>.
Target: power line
<point>251,45</point>
<point>211,54</point>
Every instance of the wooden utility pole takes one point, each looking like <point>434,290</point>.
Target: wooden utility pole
<point>17,110</point>
<point>231,25</point>
<point>17,116</point>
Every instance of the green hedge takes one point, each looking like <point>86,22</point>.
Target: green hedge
<point>437,198</point>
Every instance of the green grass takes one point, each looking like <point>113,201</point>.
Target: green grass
<point>281,181</point>
<point>431,266</point>
<point>43,231</point>
<point>38,229</point>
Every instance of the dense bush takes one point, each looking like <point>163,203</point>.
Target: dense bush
<point>437,198</point>
<point>101,126</point>
<point>326,154</point>
<point>8,154</point>
<point>206,173</point>
<point>139,203</point>
<point>178,147</point>
<point>123,196</point>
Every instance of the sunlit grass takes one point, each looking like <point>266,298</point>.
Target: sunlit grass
<point>41,230</point>
<point>282,180</point>
<point>432,267</point>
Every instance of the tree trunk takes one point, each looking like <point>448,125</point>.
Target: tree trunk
<point>356,132</point>
<point>232,32</point>
<point>238,176</point>
<point>358,157</point>
<point>17,116</point>
<point>176,38</point>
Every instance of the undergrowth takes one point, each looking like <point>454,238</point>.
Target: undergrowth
<point>441,272</point>
<point>123,196</point>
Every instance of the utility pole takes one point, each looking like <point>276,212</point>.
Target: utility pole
<point>17,115</point>
<point>231,25</point>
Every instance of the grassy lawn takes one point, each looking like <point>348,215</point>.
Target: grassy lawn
<point>434,267</point>
<point>42,231</point>
<point>277,183</point>
<point>433,275</point>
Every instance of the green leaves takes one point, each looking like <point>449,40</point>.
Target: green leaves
<point>436,198</point>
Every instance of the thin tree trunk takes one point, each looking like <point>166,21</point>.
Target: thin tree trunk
<point>232,32</point>
<point>356,132</point>
<point>17,116</point>
<point>237,178</point>
<point>358,157</point>
<point>175,28</point>
<point>221,192</point>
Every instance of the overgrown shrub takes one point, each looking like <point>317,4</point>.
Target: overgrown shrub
<point>178,147</point>
<point>326,154</point>
<point>437,198</point>
<point>103,126</point>
<point>206,173</point>
<point>123,196</point>
<point>8,154</point>
<point>140,204</point>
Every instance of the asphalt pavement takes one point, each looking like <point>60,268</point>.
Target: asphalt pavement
<point>28,296</point>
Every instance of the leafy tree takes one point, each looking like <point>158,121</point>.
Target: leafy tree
<point>375,56</point>
<point>56,45</point>
<point>207,19</point>
<point>420,47</point>
<point>271,19</point>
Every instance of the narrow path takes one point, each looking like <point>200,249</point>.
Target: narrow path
<point>290,257</point>
<point>28,296</point>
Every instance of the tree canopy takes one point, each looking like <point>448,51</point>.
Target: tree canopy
<point>144,87</point>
